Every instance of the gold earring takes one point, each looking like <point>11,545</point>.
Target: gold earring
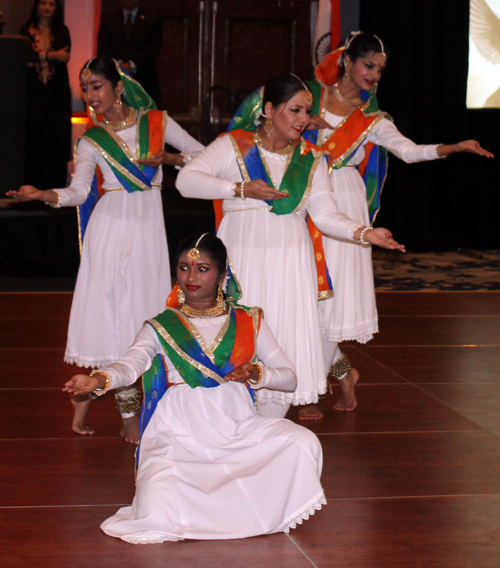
<point>118,104</point>
<point>346,74</point>
<point>181,298</point>
<point>268,127</point>
<point>220,293</point>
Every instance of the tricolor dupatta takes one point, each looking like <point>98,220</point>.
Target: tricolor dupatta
<point>133,177</point>
<point>350,134</point>
<point>197,363</point>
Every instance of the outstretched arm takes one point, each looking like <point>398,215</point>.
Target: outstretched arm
<point>387,135</point>
<point>323,210</point>
<point>470,146</point>
<point>125,372</point>
<point>30,193</point>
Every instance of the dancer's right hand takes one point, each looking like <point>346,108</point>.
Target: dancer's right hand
<point>82,384</point>
<point>258,189</point>
<point>26,193</point>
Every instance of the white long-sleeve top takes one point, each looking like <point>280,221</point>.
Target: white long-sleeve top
<point>87,158</point>
<point>386,134</point>
<point>213,173</point>
<point>278,372</point>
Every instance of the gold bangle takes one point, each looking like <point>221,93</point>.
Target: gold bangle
<point>259,380</point>
<point>100,392</point>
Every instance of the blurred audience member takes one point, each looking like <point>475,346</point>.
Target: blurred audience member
<point>134,38</point>
<point>48,105</point>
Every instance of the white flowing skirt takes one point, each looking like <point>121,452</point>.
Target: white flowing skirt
<point>211,468</point>
<point>273,258</point>
<point>352,312</point>
<point>124,277</point>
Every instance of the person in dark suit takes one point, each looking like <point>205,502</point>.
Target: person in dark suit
<point>134,38</point>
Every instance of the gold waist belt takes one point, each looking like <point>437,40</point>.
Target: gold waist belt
<point>157,185</point>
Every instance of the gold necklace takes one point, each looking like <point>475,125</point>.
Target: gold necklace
<point>286,150</point>
<point>122,124</point>
<point>204,313</point>
<point>356,101</point>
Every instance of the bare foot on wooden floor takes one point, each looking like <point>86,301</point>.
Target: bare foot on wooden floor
<point>81,406</point>
<point>310,412</point>
<point>130,430</point>
<point>347,400</point>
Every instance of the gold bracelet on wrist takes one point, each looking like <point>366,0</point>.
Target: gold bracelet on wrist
<point>100,392</point>
<point>261,374</point>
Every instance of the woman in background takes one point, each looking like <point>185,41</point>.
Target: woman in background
<point>48,103</point>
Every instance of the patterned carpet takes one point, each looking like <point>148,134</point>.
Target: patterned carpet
<point>445,271</point>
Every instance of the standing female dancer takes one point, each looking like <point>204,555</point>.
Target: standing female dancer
<point>48,102</point>
<point>350,124</point>
<point>209,466</point>
<point>269,180</point>
<point>124,275</point>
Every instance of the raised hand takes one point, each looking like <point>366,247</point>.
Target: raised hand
<point>473,147</point>
<point>383,238</point>
<point>81,384</point>
<point>318,122</point>
<point>163,158</point>
<point>242,373</point>
<point>258,189</point>
<point>26,193</point>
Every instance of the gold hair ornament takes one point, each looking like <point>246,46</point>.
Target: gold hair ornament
<point>194,253</point>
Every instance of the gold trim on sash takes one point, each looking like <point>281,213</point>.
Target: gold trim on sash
<point>115,164</point>
<point>239,159</point>
<point>204,370</point>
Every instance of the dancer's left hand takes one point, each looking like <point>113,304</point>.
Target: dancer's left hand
<point>163,158</point>
<point>383,238</point>
<point>81,384</point>
<point>473,147</point>
<point>318,122</point>
<point>242,373</point>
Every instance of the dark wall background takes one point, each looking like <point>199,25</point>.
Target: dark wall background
<point>446,204</point>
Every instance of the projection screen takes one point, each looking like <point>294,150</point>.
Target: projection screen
<point>483,84</point>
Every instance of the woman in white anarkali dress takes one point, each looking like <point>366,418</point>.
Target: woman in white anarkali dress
<point>345,90</point>
<point>124,275</point>
<point>272,254</point>
<point>209,466</point>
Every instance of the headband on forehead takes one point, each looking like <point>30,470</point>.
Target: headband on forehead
<point>86,72</point>
<point>194,253</point>
<point>355,34</point>
<point>309,97</point>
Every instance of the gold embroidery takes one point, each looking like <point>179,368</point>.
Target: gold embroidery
<point>239,159</point>
<point>116,165</point>
<point>166,336</point>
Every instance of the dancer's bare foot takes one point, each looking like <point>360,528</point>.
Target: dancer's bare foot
<point>347,400</point>
<point>310,412</point>
<point>81,407</point>
<point>130,430</point>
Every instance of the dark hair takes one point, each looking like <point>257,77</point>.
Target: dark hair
<point>57,21</point>
<point>361,45</point>
<point>105,67</point>
<point>281,89</point>
<point>209,244</point>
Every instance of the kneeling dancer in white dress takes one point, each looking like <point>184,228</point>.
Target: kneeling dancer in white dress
<point>209,466</point>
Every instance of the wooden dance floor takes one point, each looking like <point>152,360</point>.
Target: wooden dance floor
<point>412,477</point>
